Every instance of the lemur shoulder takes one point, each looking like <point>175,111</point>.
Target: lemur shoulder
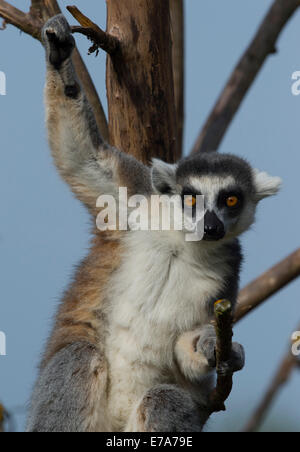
<point>132,348</point>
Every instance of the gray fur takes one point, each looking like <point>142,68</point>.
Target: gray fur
<point>168,408</point>
<point>58,40</point>
<point>59,403</point>
<point>208,164</point>
<point>163,176</point>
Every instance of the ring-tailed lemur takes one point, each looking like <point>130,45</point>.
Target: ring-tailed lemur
<point>132,348</point>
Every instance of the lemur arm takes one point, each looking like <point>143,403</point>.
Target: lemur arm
<point>88,165</point>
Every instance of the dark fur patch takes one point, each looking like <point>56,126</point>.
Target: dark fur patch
<point>234,258</point>
<point>72,91</point>
<point>217,164</point>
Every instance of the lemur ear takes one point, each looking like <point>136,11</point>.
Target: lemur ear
<point>265,185</point>
<point>163,176</point>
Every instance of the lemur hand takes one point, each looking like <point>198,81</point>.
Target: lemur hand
<point>207,346</point>
<point>58,40</point>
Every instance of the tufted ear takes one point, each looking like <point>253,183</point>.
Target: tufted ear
<point>265,185</point>
<point>163,176</point>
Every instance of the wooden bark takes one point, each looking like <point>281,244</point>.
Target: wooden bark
<point>177,32</point>
<point>100,38</point>
<point>140,88</point>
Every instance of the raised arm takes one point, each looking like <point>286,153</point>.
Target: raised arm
<point>90,166</point>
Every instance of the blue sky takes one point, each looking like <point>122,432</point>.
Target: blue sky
<point>44,230</point>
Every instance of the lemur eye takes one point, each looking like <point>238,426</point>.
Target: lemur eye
<point>232,201</point>
<point>190,201</point>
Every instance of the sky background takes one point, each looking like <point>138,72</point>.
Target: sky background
<point>44,231</point>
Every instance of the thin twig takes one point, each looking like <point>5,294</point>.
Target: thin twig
<point>5,417</point>
<point>244,74</point>
<point>250,298</point>
<point>100,38</point>
<point>2,418</point>
<point>253,296</point>
<point>224,322</point>
<point>268,284</point>
<point>282,376</point>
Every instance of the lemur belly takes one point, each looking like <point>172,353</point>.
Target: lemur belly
<point>160,292</point>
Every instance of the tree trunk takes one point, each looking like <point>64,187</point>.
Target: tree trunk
<point>140,87</point>
<point>177,31</point>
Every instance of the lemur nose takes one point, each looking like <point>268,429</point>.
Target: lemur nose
<point>213,227</point>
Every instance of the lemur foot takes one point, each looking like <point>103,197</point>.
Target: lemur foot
<point>207,346</point>
<point>58,40</point>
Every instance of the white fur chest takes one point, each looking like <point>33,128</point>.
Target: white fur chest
<point>159,292</point>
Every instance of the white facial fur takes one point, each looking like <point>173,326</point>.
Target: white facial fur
<point>210,187</point>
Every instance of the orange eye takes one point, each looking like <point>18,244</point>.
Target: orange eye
<point>190,201</point>
<point>232,201</point>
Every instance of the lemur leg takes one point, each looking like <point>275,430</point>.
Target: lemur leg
<point>167,408</point>
<point>70,393</point>
<point>196,357</point>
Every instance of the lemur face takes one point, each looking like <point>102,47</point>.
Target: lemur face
<point>231,190</point>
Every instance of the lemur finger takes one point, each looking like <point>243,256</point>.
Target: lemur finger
<point>58,25</point>
<point>54,40</point>
<point>236,363</point>
<point>238,357</point>
<point>58,40</point>
<point>51,35</point>
<point>207,346</point>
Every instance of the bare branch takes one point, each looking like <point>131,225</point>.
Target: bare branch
<point>177,30</point>
<point>267,284</point>
<point>100,38</point>
<point>2,415</point>
<point>37,4</point>
<point>31,23</point>
<point>224,322</point>
<point>244,74</point>
<point>26,22</point>
<point>281,377</point>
